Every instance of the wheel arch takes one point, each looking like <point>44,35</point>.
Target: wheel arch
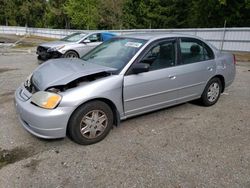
<point>112,106</point>
<point>222,79</point>
<point>71,50</point>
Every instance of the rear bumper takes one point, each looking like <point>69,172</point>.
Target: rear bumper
<point>228,83</point>
<point>231,76</point>
<point>43,123</point>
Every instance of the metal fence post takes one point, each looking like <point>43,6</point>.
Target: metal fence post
<point>223,35</point>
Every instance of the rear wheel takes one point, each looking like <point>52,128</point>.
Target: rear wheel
<point>212,92</point>
<point>90,123</point>
<point>71,54</point>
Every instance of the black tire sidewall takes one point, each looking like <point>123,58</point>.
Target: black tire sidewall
<point>74,123</point>
<point>71,52</point>
<point>204,98</point>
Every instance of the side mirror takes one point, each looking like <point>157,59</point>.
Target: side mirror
<point>139,68</point>
<point>86,41</point>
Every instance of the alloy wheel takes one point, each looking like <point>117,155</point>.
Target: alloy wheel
<point>213,92</point>
<point>93,124</point>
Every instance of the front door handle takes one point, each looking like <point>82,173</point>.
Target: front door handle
<point>210,68</point>
<point>171,77</point>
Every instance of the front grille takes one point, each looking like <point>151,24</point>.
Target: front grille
<point>24,94</point>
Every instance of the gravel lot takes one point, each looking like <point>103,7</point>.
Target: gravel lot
<point>183,146</point>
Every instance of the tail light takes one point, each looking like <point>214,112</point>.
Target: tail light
<point>234,59</point>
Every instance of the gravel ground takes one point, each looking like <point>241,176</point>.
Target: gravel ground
<point>183,146</point>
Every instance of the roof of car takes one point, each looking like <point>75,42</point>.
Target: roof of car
<point>155,35</point>
<point>92,32</point>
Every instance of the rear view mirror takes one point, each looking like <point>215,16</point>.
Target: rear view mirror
<point>139,68</point>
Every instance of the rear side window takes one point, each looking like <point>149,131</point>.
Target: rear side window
<point>193,50</point>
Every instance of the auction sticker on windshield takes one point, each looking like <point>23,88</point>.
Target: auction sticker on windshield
<point>133,44</point>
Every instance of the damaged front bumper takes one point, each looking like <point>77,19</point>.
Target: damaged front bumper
<point>43,123</point>
<point>44,54</point>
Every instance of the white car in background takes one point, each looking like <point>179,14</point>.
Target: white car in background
<point>72,46</point>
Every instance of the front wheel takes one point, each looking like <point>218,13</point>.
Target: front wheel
<point>212,92</point>
<point>71,54</point>
<point>90,123</point>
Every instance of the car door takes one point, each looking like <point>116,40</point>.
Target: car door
<point>156,88</point>
<point>89,43</point>
<point>196,67</point>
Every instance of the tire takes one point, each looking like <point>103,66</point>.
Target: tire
<point>71,54</point>
<point>90,123</point>
<point>212,92</point>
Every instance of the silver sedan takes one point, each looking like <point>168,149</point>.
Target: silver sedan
<point>123,77</point>
<point>72,46</point>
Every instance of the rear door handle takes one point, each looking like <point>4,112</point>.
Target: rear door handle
<point>171,77</point>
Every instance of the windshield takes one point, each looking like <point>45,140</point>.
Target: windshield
<point>114,53</point>
<point>74,37</point>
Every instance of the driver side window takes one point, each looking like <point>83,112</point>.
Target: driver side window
<point>161,55</point>
<point>95,37</point>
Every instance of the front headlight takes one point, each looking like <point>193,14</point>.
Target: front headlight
<point>55,48</point>
<point>46,99</point>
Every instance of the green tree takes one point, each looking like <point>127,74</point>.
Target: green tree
<point>213,13</point>
<point>135,14</point>
<point>83,14</point>
<point>55,16</point>
<point>245,15</point>
<point>110,14</point>
<point>156,13</point>
<point>8,12</point>
<point>168,14</point>
<point>30,13</point>
<point>25,12</point>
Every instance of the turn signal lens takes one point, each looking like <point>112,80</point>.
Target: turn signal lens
<point>52,101</point>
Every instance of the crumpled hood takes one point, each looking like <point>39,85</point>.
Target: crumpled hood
<point>53,44</point>
<point>57,72</point>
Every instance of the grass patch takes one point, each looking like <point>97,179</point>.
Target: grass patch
<point>25,45</point>
<point>25,42</point>
<point>41,38</point>
<point>242,56</point>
